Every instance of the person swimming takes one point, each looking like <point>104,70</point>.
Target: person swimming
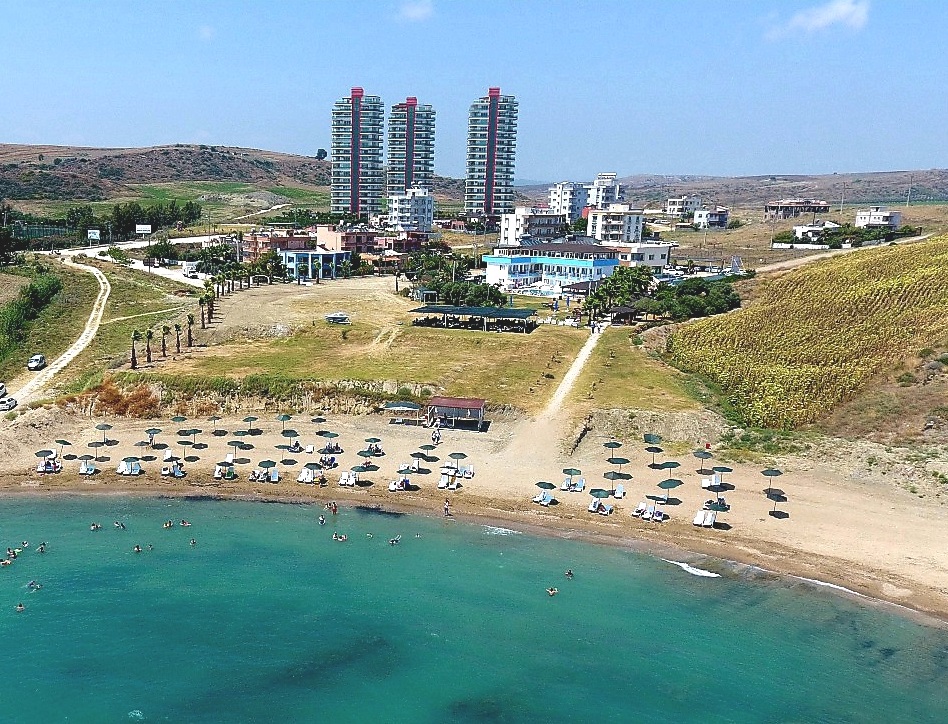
<point>322,520</point>
<point>137,549</point>
<point>396,540</point>
<point>168,524</point>
<point>41,548</point>
<point>368,535</point>
<point>20,608</point>
<point>25,544</point>
<point>569,573</point>
<point>552,591</point>
<point>185,524</point>
<point>193,542</point>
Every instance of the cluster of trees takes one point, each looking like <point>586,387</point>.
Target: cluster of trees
<point>124,217</point>
<point>445,274</point>
<point>468,294</point>
<point>18,313</point>
<point>849,234</point>
<point>633,287</point>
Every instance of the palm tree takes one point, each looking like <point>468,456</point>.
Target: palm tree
<point>190,324</point>
<point>202,301</point>
<point>136,337</point>
<point>177,337</point>
<point>165,331</point>
<point>148,337</point>
<point>346,268</point>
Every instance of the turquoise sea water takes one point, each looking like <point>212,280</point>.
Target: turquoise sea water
<point>268,619</point>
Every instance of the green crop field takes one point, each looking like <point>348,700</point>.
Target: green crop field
<point>815,335</point>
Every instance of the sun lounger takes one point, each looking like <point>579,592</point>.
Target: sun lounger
<point>229,458</point>
<point>218,472</point>
<point>699,517</point>
<point>274,475</point>
<point>41,468</point>
<point>579,485</point>
<point>443,482</point>
<point>414,465</point>
<point>166,470</point>
<point>167,456</point>
<point>310,449</point>
<point>658,516</point>
<point>620,492</point>
<point>135,469</point>
<point>344,478</point>
<point>468,471</point>
<point>649,512</point>
<point>301,478</point>
<point>122,468</point>
<point>86,467</point>
<point>593,505</point>
<point>567,484</point>
<point>706,483</point>
<point>709,517</point>
<point>606,509</point>
<point>229,474</point>
<point>544,498</point>
<point>639,509</point>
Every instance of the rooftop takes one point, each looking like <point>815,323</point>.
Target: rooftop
<point>488,312</point>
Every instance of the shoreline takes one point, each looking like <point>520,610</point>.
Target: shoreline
<point>731,563</point>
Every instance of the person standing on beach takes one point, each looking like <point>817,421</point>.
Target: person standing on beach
<point>447,508</point>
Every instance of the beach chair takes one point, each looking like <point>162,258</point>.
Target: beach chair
<point>443,481</point>
<point>649,512</point>
<point>620,492</point>
<point>301,478</point>
<point>639,509</point>
<point>547,499</point>
<point>353,479</point>
<point>454,483</point>
<point>165,470</point>
<point>344,478</point>
<point>539,496</point>
<point>122,468</point>
<point>580,485</point>
<point>706,483</point>
<point>177,472</point>
<point>468,471</point>
<point>414,465</point>
<point>606,509</point>
<point>593,505</point>
<point>229,458</point>
<point>274,475</point>
<point>699,517</point>
<point>658,516</point>
<point>709,517</point>
<point>310,449</point>
<point>167,457</point>
<point>135,469</point>
<point>41,467</point>
<point>567,484</point>
<point>218,472</point>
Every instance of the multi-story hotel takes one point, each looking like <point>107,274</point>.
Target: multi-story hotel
<point>491,152</point>
<point>357,172</point>
<point>411,134</point>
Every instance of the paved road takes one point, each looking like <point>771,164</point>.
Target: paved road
<point>32,390</point>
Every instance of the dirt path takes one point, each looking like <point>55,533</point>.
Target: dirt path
<point>32,389</point>
<point>572,374</point>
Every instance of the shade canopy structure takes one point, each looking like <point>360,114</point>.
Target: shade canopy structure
<point>457,410</point>
<point>543,485</point>
<point>484,314</point>
<point>402,406</point>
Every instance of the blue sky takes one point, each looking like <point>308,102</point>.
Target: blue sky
<point>694,86</point>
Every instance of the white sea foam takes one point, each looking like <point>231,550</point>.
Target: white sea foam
<point>692,570</point>
<point>494,530</point>
<point>816,582</point>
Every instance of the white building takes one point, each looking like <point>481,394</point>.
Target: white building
<point>682,206</point>
<point>812,232</point>
<point>357,172</point>
<point>537,222</point>
<point>656,255</point>
<point>569,198</point>
<point>617,222</point>
<point>878,217</point>
<point>715,218</point>
<point>491,154</point>
<point>604,190</point>
<point>550,265</point>
<point>411,211</point>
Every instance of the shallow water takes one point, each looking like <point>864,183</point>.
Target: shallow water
<point>268,619</point>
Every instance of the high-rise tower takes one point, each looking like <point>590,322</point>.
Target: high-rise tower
<point>491,152</point>
<point>357,172</point>
<point>411,131</point>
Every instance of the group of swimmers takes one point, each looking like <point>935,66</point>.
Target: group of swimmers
<point>553,590</point>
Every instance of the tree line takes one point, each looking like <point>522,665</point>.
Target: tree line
<point>16,315</point>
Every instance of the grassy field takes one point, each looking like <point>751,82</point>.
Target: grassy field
<point>817,334</point>
<point>620,375</point>
<point>59,323</point>
<point>316,199</point>
<point>10,286</point>
<point>138,301</point>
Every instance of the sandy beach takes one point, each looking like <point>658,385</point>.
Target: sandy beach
<point>874,538</point>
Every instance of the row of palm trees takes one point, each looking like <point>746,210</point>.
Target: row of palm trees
<point>226,281</point>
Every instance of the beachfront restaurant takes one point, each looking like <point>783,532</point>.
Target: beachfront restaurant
<point>456,411</point>
<point>318,263</point>
<point>484,319</point>
<point>552,265</point>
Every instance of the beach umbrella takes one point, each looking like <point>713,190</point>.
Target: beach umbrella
<point>96,444</point>
<point>62,444</point>
<point>612,445</point>
<point>669,484</point>
<point>234,444</point>
<point>543,485</point>
<point>130,459</point>
<point>291,433</point>
<point>457,457</point>
<point>702,455</point>
<point>770,474</point>
<point>288,461</point>
<point>612,476</point>
<point>104,427</point>
<point>250,420</point>
<point>151,432</point>
<point>313,466</point>
<point>283,419</point>
<point>266,464</point>
<point>570,472</point>
<point>669,465</point>
<point>319,419</point>
<point>214,419</point>
<point>141,443</point>
<point>360,469</point>
<point>44,453</point>
<point>419,455</point>
<point>427,447</point>
<point>655,450</point>
<point>365,454</point>
<point>618,461</point>
<point>373,440</point>
<point>600,493</point>
<point>195,431</point>
<point>651,438</point>
<point>86,457</point>
<point>722,469</point>
<point>777,496</point>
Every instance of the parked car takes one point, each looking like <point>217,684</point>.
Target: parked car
<point>7,403</point>
<point>37,362</point>
<point>3,390</point>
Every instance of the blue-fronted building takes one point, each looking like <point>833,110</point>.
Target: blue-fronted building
<point>549,266</point>
<point>318,263</point>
